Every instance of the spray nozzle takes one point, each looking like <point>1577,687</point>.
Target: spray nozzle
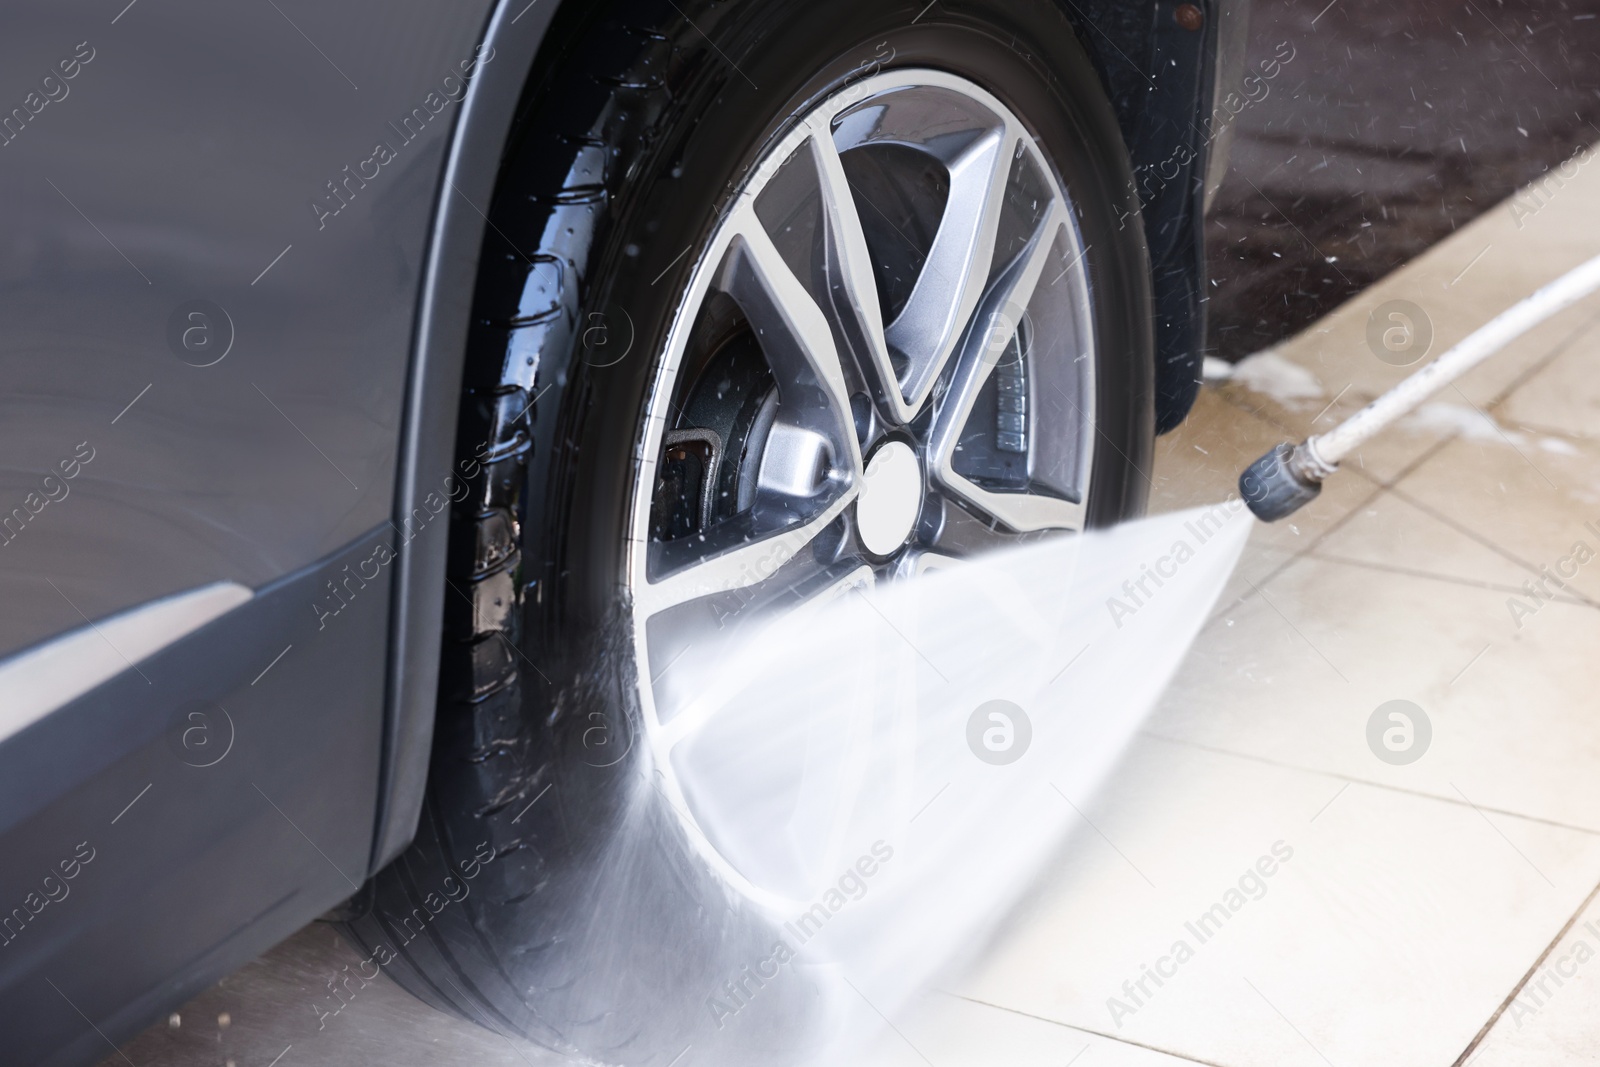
<point>1283,481</point>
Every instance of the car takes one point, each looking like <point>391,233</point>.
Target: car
<point>393,391</point>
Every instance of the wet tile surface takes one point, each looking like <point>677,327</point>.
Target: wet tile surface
<point>1365,914</point>
<point>282,1010</point>
<point>1550,1022</point>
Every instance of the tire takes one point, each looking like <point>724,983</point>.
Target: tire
<point>552,890</point>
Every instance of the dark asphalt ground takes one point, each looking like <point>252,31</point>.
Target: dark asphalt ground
<point>1397,122</point>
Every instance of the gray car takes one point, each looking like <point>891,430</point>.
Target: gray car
<point>391,391</point>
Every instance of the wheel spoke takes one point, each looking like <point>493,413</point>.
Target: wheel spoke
<point>851,286</point>
<point>996,327</point>
<point>737,568</point>
<point>953,278</point>
<point>795,335</point>
<point>917,563</point>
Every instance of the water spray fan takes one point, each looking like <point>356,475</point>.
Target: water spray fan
<point>1290,476</point>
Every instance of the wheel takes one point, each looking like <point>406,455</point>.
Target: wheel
<point>778,297</point>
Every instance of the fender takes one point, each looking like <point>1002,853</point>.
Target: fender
<point>515,30</point>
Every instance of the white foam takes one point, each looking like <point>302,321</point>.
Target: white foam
<point>1270,374</point>
<point>1558,446</point>
<point>1446,417</point>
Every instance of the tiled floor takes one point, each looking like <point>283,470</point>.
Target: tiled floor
<point>1435,913</point>
<point>1422,915</point>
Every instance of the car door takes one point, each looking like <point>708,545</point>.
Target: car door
<point>217,218</point>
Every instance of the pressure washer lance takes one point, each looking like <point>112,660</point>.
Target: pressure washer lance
<point>1290,476</point>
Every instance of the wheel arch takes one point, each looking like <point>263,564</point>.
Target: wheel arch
<point>512,37</point>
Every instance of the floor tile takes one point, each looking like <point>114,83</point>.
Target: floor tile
<point>1295,674</point>
<point>1391,533</point>
<point>1565,395</point>
<point>952,1031</point>
<point>282,1000</point>
<point>1390,928</point>
<point>1552,1021</point>
<point>1536,504</point>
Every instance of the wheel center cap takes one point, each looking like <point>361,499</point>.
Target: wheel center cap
<point>890,498</point>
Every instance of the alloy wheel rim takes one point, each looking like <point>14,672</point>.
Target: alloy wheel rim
<point>906,264</point>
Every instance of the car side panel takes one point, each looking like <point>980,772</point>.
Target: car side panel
<point>179,162</point>
<point>182,161</point>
